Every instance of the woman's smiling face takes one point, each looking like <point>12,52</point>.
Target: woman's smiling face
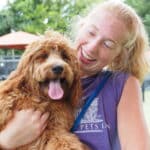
<point>99,41</point>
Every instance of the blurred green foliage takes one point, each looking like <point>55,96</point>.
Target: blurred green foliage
<point>36,16</point>
<point>142,7</point>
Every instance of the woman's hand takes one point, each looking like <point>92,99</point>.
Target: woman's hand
<point>24,128</point>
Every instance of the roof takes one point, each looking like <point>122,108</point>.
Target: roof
<point>17,40</point>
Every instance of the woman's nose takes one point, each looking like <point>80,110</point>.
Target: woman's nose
<point>93,45</point>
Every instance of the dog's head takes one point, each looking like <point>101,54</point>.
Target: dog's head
<point>49,68</point>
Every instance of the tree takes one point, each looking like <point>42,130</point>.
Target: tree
<point>143,9</point>
<point>38,15</point>
<point>6,22</point>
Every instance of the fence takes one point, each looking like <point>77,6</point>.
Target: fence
<point>7,65</point>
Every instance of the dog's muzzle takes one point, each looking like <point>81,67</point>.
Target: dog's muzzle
<point>57,69</point>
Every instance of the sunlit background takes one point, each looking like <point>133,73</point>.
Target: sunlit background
<point>35,16</point>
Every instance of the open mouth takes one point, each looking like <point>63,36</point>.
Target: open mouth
<point>55,88</point>
<point>86,58</point>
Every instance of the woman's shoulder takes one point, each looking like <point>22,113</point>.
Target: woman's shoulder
<point>118,76</point>
<point>116,83</point>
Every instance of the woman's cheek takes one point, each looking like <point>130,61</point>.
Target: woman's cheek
<point>106,59</point>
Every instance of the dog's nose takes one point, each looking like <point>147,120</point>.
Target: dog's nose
<point>57,69</point>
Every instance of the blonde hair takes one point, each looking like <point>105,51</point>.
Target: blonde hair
<point>131,59</point>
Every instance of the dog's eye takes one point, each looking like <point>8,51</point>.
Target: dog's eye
<point>44,55</point>
<point>65,56</point>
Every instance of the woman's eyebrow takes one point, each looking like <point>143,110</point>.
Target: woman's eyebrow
<point>109,39</point>
<point>94,26</point>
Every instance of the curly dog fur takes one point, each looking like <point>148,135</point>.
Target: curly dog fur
<point>47,63</point>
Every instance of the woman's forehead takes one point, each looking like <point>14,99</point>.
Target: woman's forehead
<point>107,23</point>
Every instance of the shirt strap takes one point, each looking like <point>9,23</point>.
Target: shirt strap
<point>90,99</point>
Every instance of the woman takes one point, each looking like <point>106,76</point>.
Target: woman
<point>110,36</point>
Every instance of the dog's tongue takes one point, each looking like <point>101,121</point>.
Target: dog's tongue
<point>55,90</point>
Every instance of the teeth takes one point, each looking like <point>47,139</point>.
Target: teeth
<point>86,56</point>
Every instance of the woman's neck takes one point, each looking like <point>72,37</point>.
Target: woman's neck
<point>86,75</point>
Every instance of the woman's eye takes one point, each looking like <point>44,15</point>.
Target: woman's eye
<point>92,33</point>
<point>109,44</point>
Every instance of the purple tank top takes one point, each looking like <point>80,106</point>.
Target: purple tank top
<point>98,127</point>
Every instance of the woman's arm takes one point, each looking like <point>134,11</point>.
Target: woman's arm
<point>133,132</point>
<point>24,128</point>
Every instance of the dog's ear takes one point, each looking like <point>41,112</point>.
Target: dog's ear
<point>16,77</point>
<point>26,60</point>
<point>11,82</point>
<point>29,53</point>
<point>20,73</point>
<point>76,90</point>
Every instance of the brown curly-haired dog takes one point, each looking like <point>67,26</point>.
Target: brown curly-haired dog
<point>46,79</point>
